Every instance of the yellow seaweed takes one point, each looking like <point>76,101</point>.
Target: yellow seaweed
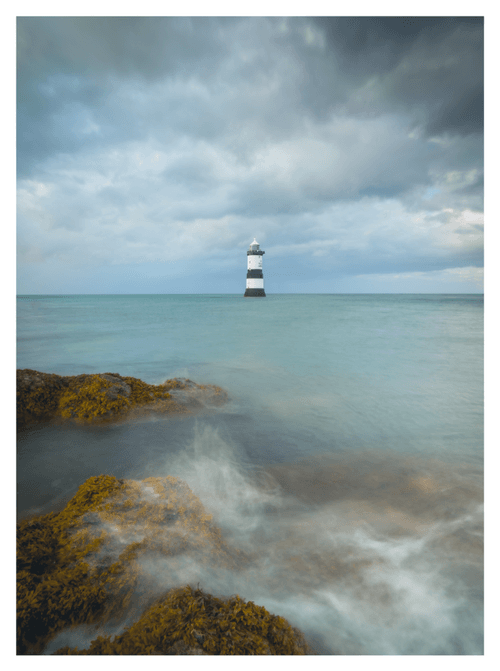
<point>90,400</point>
<point>205,624</point>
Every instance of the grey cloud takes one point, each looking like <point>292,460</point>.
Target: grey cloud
<point>384,39</point>
<point>66,63</point>
<point>430,67</point>
<point>135,130</point>
<point>475,189</point>
<point>240,81</point>
<point>462,115</point>
<point>128,46</point>
<point>370,263</point>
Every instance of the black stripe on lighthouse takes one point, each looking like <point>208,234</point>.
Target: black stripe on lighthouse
<point>254,293</point>
<point>255,273</point>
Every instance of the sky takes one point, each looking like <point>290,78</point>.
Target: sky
<point>152,150</point>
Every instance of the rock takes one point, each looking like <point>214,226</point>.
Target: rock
<point>94,563</point>
<point>106,396</point>
<point>118,389</point>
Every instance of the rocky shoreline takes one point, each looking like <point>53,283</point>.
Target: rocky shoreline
<point>96,563</point>
<point>89,564</point>
<point>43,397</point>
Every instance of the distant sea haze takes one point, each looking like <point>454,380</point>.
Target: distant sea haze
<point>348,460</point>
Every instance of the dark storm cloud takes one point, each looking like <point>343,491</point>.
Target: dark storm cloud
<point>431,74</point>
<point>386,39</point>
<point>259,80</point>
<point>431,67</point>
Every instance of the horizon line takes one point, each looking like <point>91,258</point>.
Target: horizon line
<point>287,293</point>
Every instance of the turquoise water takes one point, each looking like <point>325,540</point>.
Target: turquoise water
<point>362,410</point>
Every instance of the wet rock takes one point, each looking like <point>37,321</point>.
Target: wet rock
<point>106,396</point>
<point>118,389</point>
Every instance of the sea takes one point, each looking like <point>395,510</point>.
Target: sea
<point>348,460</point>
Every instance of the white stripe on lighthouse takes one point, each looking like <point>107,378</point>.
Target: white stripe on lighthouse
<point>255,283</point>
<point>254,262</point>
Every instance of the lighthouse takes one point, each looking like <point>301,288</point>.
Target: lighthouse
<point>255,278</point>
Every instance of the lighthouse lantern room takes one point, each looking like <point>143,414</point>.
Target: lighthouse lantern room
<point>255,278</point>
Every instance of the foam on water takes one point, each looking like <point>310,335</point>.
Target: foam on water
<point>383,579</point>
<point>358,577</point>
<point>386,574</point>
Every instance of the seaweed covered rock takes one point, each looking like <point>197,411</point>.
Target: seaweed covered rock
<point>189,621</point>
<point>55,587</point>
<point>98,396</point>
<point>38,394</point>
<point>105,396</point>
<point>97,560</point>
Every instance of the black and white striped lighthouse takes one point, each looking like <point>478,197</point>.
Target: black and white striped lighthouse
<point>255,278</point>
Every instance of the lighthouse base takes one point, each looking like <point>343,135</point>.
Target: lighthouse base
<point>254,293</point>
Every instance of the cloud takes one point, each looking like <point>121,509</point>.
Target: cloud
<point>349,139</point>
<point>430,67</point>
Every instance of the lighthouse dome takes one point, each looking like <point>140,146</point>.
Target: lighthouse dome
<point>254,245</point>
